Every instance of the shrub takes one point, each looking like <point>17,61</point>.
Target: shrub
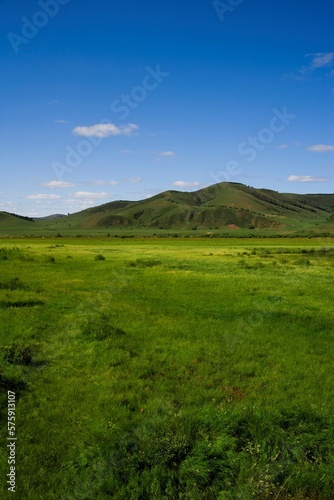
<point>302,262</point>
<point>18,354</point>
<point>21,303</point>
<point>8,382</point>
<point>13,284</point>
<point>145,263</point>
<point>99,257</point>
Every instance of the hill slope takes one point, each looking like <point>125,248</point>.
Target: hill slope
<point>12,222</point>
<point>215,207</point>
<point>220,206</point>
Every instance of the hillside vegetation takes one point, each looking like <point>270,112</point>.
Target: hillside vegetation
<point>223,207</point>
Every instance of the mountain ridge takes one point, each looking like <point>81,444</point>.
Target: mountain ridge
<point>219,206</point>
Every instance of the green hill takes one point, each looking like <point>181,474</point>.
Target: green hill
<point>223,206</point>
<point>214,207</point>
<point>13,222</point>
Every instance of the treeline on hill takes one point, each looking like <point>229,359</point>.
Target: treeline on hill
<point>23,217</point>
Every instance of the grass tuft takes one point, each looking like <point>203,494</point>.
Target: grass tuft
<point>99,327</point>
<point>18,354</point>
<point>142,263</point>
<point>99,257</point>
<point>13,284</point>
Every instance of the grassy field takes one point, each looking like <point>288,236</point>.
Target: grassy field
<point>168,369</point>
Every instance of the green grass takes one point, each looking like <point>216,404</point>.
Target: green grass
<point>169,368</point>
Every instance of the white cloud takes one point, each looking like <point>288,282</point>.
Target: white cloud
<point>61,121</point>
<point>7,205</point>
<point>57,184</point>
<point>90,196</point>
<point>318,61</point>
<point>185,184</point>
<point>105,130</point>
<point>167,153</point>
<point>33,213</point>
<point>162,154</point>
<point>78,202</point>
<point>132,152</point>
<point>282,146</point>
<point>158,154</point>
<point>320,148</point>
<point>77,205</point>
<point>306,178</point>
<point>43,197</point>
<point>321,59</point>
<point>134,179</point>
<point>104,183</point>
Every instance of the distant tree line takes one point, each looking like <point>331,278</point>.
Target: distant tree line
<point>23,217</point>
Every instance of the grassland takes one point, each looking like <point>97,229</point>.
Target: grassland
<point>169,368</point>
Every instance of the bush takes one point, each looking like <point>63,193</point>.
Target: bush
<point>13,284</point>
<point>10,382</point>
<point>99,257</point>
<point>145,263</point>
<point>18,354</point>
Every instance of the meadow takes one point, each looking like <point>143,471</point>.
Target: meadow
<point>162,368</point>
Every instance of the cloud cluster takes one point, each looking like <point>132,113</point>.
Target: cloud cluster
<point>104,130</point>
<point>185,184</point>
<point>318,61</point>
<point>158,154</point>
<point>58,184</point>
<point>320,148</point>
<point>133,180</point>
<point>321,60</point>
<point>167,153</point>
<point>306,178</point>
<point>43,197</point>
<point>90,196</point>
<point>104,183</point>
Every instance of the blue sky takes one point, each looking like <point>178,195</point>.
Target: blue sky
<point>122,100</point>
